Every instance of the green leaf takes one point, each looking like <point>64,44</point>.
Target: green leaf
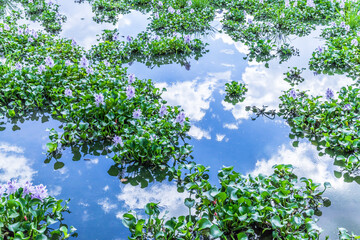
<point>189,202</point>
<point>51,146</point>
<point>215,231</point>
<point>242,236</point>
<point>204,223</point>
<point>276,222</point>
<point>14,227</point>
<point>59,165</point>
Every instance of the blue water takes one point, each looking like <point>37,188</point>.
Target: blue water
<point>222,134</point>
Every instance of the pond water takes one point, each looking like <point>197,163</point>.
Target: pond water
<point>222,134</point>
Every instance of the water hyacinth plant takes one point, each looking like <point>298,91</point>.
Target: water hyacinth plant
<point>28,212</point>
<point>252,207</point>
<point>328,122</point>
<point>100,105</point>
<point>235,92</point>
<point>148,49</point>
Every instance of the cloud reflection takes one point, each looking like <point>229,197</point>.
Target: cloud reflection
<point>13,164</point>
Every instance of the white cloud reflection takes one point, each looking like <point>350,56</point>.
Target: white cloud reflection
<point>194,96</point>
<point>136,198</point>
<point>13,164</point>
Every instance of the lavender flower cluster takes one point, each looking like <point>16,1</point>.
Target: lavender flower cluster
<point>35,191</point>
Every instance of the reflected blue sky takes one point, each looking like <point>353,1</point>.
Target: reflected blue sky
<point>222,134</point>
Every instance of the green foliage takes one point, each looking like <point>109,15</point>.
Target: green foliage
<point>235,92</point>
<point>278,206</point>
<point>345,235</point>
<point>151,138</point>
<point>293,76</point>
<point>341,55</point>
<point>25,217</point>
<point>330,123</point>
<point>148,49</point>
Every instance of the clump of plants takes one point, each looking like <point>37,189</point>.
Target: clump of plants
<point>45,12</point>
<point>235,92</point>
<point>28,212</point>
<point>146,48</point>
<point>293,76</point>
<point>328,121</point>
<point>279,206</point>
<point>94,101</point>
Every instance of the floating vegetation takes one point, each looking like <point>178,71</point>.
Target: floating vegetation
<point>328,121</point>
<point>293,76</point>
<point>235,92</point>
<point>27,211</point>
<point>279,206</point>
<point>148,49</point>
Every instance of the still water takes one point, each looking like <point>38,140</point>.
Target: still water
<point>222,134</point>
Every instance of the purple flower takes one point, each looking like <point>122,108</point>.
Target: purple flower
<point>131,78</point>
<point>347,107</point>
<point>6,27</point>
<point>347,28</point>
<point>34,34</point>
<point>49,62</point>
<point>333,24</point>
<point>157,38</point>
<point>189,3</point>
<point>50,2</point>
<point>90,70</point>
<point>342,12</point>
<point>342,24</point>
<point>39,192</point>
<point>160,3</point>
<point>178,12</point>
<point>12,187</point>
<point>292,94</point>
<point>187,39</point>
<point>320,49</point>
<point>27,187</point>
<point>106,63</point>
<point>329,94</point>
<point>295,3</point>
<point>187,66</point>
<point>261,1</point>
<point>84,62</point>
<point>171,10</point>
<point>115,37</point>
<point>354,42</point>
<point>153,137</point>
<point>310,3</point>
<point>73,42</point>
<point>180,118</point>
<point>342,4</point>
<point>156,15</point>
<point>41,68</point>
<point>20,31</point>
<point>18,66</point>
<point>163,110</point>
<point>250,21</point>
<point>137,113</point>
<point>68,92</point>
<point>128,38</point>
<point>316,73</point>
<point>68,63</point>
<point>287,3</point>
<point>117,140</point>
<point>192,11</point>
<point>99,99</point>
<point>130,92</point>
